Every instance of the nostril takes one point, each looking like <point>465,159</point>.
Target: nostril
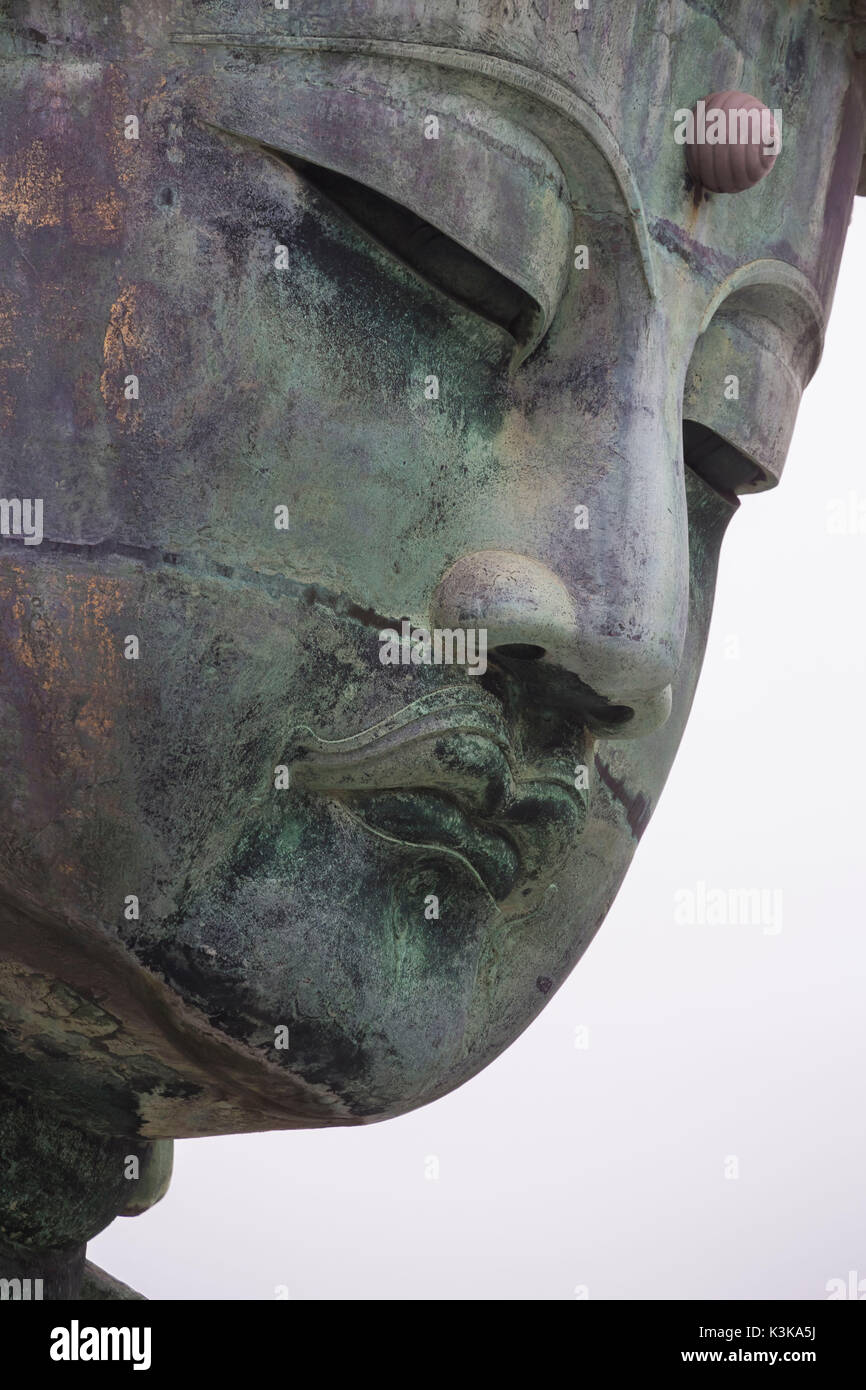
<point>611,717</point>
<point>519,651</point>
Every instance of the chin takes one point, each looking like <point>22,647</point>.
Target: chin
<point>389,961</point>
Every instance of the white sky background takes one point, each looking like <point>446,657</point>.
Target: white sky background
<point>605,1167</point>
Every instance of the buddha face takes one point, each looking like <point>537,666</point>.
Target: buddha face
<point>386,415</point>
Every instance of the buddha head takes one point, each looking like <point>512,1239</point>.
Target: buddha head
<point>377,384</point>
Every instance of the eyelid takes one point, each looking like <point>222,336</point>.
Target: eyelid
<point>764,334</point>
<point>442,262</point>
<point>720,466</point>
<point>743,392</point>
<point>487,184</point>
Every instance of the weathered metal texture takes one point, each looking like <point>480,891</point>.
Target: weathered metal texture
<point>60,1185</point>
<point>308,387</point>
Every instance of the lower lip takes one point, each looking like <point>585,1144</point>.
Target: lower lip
<point>426,818</point>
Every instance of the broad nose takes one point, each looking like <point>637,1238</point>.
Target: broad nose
<point>529,615</point>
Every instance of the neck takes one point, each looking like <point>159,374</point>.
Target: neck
<point>60,1185</point>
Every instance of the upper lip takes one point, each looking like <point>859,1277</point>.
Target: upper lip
<point>453,743</point>
<point>410,748</point>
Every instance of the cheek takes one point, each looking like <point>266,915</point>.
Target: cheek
<point>283,360</point>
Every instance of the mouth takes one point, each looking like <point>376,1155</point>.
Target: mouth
<point>443,774</point>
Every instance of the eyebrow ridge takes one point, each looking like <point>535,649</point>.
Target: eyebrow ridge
<point>547,90</point>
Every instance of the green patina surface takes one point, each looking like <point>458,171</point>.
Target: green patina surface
<point>431,383</point>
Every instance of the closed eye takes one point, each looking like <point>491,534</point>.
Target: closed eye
<point>718,463</point>
<point>441,261</point>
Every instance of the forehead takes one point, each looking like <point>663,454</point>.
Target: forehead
<point>617,73</point>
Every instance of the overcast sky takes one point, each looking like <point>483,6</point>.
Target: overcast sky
<point>603,1171</point>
